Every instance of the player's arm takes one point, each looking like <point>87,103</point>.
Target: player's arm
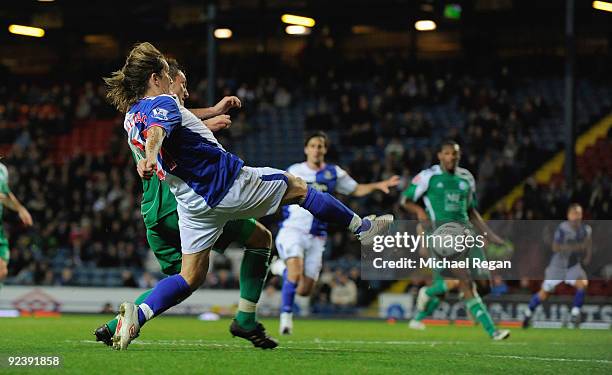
<point>588,249</point>
<point>482,226</point>
<point>384,186</point>
<point>155,139</point>
<point>569,247</point>
<point>220,108</point>
<point>217,123</point>
<point>165,116</point>
<point>414,209</point>
<point>9,200</point>
<point>408,201</point>
<point>559,245</point>
<point>417,188</point>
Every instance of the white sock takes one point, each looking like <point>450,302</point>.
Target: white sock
<point>355,223</point>
<point>246,306</point>
<point>147,311</point>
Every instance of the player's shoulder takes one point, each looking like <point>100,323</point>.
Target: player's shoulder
<point>464,173</point>
<point>565,226</point>
<point>163,107</point>
<point>3,169</point>
<point>164,100</point>
<point>297,168</point>
<point>427,173</point>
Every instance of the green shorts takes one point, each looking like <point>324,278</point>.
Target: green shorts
<point>475,252</point>
<point>165,241</point>
<point>5,252</point>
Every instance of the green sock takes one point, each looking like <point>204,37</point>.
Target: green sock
<point>112,325</point>
<point>479,312</point>
<point>437,288</point>
<point>432,305</point>
<point>253,272</point>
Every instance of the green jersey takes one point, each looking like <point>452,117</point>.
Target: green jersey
<point>447,196</point>
<point>157,199</point>
<point>4,189</point>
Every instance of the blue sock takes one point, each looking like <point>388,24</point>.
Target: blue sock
<point>287,294</point>
<point>579,298</point>
<point>534,302</point>
<point>326,208</point>
<point>167,293</point>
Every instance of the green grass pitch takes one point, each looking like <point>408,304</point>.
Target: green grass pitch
<point>184,345</point>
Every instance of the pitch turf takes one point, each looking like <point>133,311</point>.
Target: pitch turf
<point>173,345</point>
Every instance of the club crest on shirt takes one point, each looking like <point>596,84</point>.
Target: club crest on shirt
<point>462,185</point>
<point>160,114</point>
<point>318,187</point>
<point>327,175</point>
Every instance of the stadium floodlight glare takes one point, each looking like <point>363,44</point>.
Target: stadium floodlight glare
<point>602,5</point>
<point>298,20</point>
<point>425,25</point>
<point>223,33</point>
<point>297,30</point>
<point>26,30</point>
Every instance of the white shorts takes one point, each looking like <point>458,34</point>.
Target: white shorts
<point>555,276</point>
<point>294,243</point>
<point>256,192</point>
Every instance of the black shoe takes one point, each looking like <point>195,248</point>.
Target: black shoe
<point>257,335</point>
<point>104,334</point>
<point>526,322</point>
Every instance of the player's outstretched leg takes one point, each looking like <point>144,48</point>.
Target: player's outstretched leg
<point>327,208</point>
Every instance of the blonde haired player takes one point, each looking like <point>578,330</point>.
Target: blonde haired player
<point>211,186</point>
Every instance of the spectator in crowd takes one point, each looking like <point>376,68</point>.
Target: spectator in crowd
<point>343,293</point>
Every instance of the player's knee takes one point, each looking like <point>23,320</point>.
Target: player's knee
<point>451,284</point>
<point>300,186</point>
<point>3,271</point>
<point>582,284</point>
<point>296,189</point>
<point>295,269</point>
<point>305,288</point>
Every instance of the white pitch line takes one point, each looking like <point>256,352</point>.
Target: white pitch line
<point>542,358</point>
<point>207,343</point>
<point>396,342</point>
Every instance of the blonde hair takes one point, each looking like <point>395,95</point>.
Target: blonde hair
<point>126,86</point>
